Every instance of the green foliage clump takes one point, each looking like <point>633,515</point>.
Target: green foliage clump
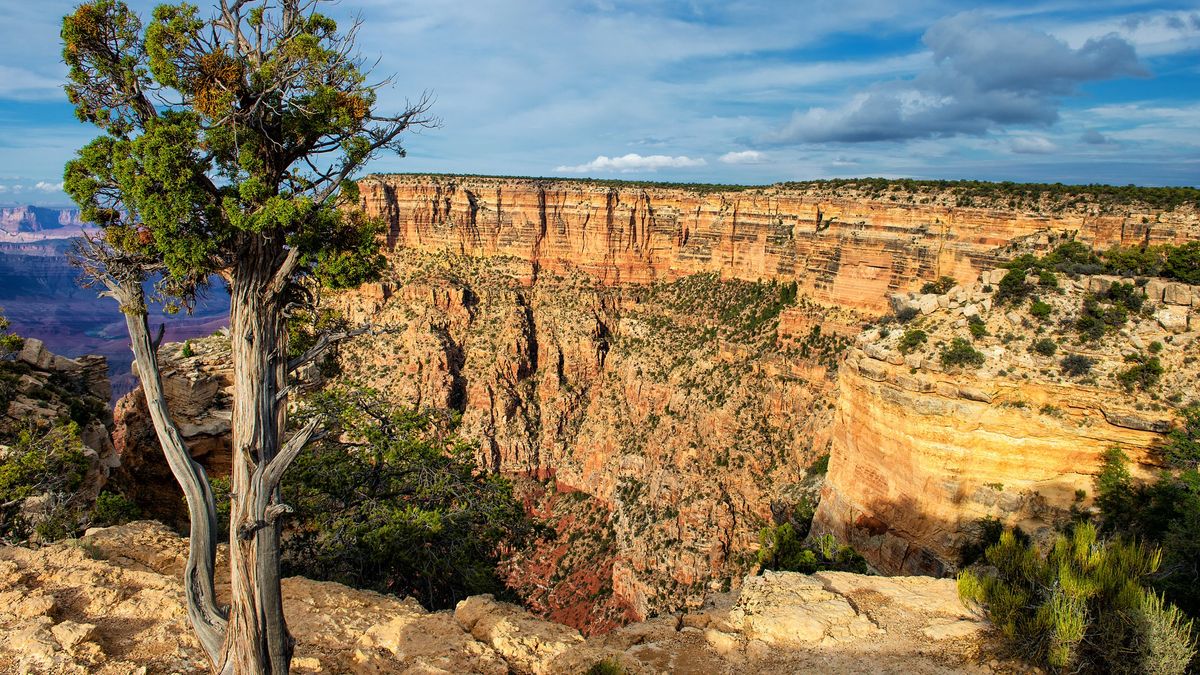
<point>1181,263</point>
<point>46,462</point>
<point>819,467</point>
<point>1182,449</point>
<point>113,509</point>
<point>912,338</point>
<point>399,507</point>
<point>187,352</point>
<point>607,667</point>
<point>906,314</point>
<point>783,548</point>
<point>1083,605</point>
<point>977,327</point>
<point>1039,309</point>
<point>960,353</point>
<point>1044,346</point>
<point>940,287</point>
<point>1164,512</point>
<point>9,342</point>
<point>1076,365</point>
<point>1144,372</point>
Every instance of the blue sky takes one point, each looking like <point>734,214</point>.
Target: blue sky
<point>738,91</point>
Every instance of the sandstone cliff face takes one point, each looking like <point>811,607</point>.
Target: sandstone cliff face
<point>921,453</point>
<point>198,390</point>
<point>112,604</point>
<point>845,246</point>
<point>681,412</point>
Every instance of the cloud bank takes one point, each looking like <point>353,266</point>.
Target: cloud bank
<point>633,162</point>
<point>984,75</point>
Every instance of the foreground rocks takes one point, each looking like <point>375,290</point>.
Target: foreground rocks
<point>111,603</point>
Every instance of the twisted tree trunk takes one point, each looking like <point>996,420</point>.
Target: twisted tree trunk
<point>206,617</point>
<point>258,640</point>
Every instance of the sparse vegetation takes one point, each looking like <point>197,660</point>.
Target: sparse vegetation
<point>1076,365</point>
<point>1044,346</point>
<point>46,464</point>
<point>1144,372</point>
<point>977,327</point>
<point>911,340</point>
<point>960,353</point>
<point>939,287</point>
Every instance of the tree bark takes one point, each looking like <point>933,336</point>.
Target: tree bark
<point>207,619</point>
<point>257,640</point>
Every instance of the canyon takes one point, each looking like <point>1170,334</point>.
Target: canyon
<point>41,296</point>
<point>663,369</point>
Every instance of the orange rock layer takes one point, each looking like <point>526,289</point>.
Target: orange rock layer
<point>844,247</point>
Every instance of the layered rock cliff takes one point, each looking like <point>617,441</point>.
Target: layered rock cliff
<point>846,245</point>
<point>921,451</point>
<point>112,603</point>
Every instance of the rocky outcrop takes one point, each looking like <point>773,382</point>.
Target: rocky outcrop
<point>198,387</point>
<point>39,388</point>
<point>921,452</point>
<point>846,245</point>
<point>112,603</point>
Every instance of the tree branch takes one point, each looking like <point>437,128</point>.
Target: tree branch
<point>274,470</point>
<point>323,343</point>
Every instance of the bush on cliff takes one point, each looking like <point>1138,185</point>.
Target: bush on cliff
<point>1082,606</point>
<point>912,338</point>
<point>784,549</point>
<point>46,464</point>
<point>960,353</point>
<point>1165,512</point>
<point>393,501</point>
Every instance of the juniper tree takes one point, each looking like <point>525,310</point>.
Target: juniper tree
<point>228,146</point>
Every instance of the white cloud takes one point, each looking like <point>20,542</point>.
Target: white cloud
<point>1032,145</point>
<point>24,85</point>
<point>743,157</point>
<point>633,162</point>
<point>48,187</point>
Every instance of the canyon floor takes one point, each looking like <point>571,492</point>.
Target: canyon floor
<point>112,602</point>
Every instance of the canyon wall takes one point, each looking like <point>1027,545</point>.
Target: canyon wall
<point>923,452</point>
<point>845,246</point>
<point>643,347</point>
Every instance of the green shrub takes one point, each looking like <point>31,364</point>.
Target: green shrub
<point>42,462</point>
<point>1076,365</point>
<point>1182,448</point>
<point>1096,320</point>
<point>1044,346</point>
<point>187,352</point>
<point>960,353</point>
<point>783,548</point>
<point>1082,605</point>
<point>906,314</point>
<point>977,327</point>
<point>1013,289</point>
<point>399,507</point>
<point>1039,309</point>
<point>1143,374</point>
<point>1183,263</point>
<point>1164,512</point>
<point>940,287</point>
<point>113,509</point>
<point>9,343</point>
<point>820,466</point>
<point>912,338</point>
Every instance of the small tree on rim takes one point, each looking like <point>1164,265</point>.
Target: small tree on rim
<point>228,146</point>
